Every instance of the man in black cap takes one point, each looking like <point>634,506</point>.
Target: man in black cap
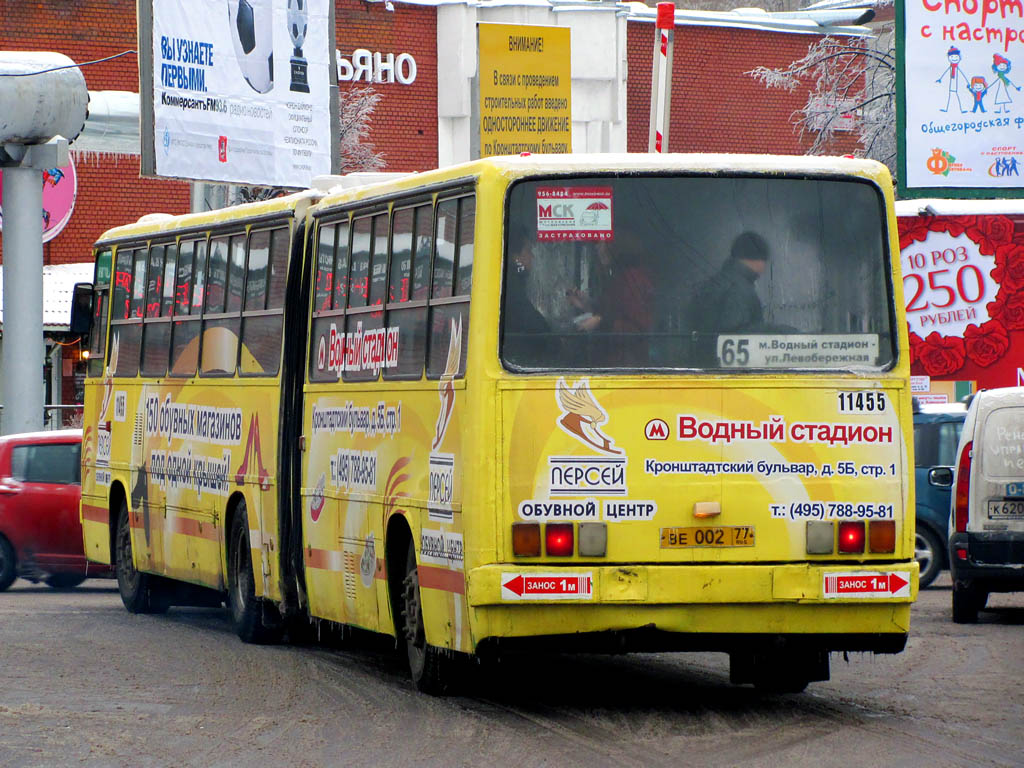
<point>728,301</point>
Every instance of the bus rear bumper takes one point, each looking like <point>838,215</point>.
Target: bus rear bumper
<point>697,607</point>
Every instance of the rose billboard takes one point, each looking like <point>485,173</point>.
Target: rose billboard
<point>963,283</point>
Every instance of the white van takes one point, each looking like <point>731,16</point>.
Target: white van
<point>986,524</point>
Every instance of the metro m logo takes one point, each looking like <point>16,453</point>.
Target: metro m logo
<point>656,429</point>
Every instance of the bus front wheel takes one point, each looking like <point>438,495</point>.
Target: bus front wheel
<point>140,592</point>
<point>255,620</point>
<point>432,669</point>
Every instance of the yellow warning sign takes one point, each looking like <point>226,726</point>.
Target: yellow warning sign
<point>525,89</point>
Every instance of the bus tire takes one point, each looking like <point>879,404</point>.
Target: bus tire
<point>431,669</point>
<point>255,620</point>
<point>140,592</point>
<point>8,565</point>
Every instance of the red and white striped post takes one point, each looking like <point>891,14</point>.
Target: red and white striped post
<point>661,77</point>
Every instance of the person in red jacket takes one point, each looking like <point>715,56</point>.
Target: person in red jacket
<point>622,307</point>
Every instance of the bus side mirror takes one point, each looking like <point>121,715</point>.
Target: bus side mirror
<point>81,310</point>
<point>941,477</point>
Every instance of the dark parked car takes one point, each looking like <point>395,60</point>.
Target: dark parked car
<point>40,528</point>
<point>936,432</point>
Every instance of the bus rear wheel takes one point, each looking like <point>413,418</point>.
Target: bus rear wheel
<point>140,592</point>
<point>431,668</point>
<point>255,620</point>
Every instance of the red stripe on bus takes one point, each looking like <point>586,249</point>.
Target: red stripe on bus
<point>318,558</point>
<point>95,514</point>
<point>444,579</point>
<point>191,527</point>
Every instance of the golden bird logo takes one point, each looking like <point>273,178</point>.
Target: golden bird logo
<point>446,387</point>
<point>582,416</point>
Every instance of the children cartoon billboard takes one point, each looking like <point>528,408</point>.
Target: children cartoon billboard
<point>963,125</point>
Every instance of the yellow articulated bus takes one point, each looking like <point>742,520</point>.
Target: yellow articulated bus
<point>603,402</point>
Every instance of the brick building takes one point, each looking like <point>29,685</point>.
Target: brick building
<point>430,121</point>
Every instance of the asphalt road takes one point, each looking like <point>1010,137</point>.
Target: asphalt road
<point>84,683</point>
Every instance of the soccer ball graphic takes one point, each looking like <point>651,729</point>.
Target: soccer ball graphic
<point>252,32</point>
<point>298,22</point>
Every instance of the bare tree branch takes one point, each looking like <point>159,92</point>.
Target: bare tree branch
<point>847,82</point>
<point>355,108</point>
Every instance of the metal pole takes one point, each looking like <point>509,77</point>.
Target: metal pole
<point>661,78</point>
<point>22,366</point>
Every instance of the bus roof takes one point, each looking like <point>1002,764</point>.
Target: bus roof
<point>152,224</point>
<point>529,164</point>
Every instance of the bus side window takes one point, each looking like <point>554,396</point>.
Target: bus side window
<point>155,329</point>
<point>218,350</point>
<point>328,327</point>
<point>127,330</point>
<point>422,243</point>
<point>379,262</point>
<point>359,282</point>
<point>280,249</point>
<point>341,264</point>
<point>324,277</point>
<point>101,304</point>
<point>444,248</point>
<point>467,231</point>
<point>216,276</point>
<point>185,327</point>
<point>367,287</point>
<point>411,321</point>
<point>449,319</point>
<point>261,324</point>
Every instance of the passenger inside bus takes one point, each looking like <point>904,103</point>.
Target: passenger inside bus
<point>727,302</point>
<point>621,304</point>
<point>527,331</point>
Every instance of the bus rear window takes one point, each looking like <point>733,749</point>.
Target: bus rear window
<point>699,272</point>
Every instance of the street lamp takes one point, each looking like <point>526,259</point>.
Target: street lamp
<point>45,106</point>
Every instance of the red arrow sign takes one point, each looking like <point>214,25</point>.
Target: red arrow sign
<point>896,583</point>
<point>549,585</point>
<point>864,584</point>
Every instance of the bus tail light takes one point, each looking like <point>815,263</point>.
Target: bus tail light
<point>558,539</point>
<point>851,536</point>
<point>526,539</point>
<point>593,539</point>
<point>882,536</point>
<point>963,489</point>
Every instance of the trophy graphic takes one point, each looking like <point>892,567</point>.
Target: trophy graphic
<point>298,22</point>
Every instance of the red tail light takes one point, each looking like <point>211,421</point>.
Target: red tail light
<point>558,539</point>
<point>963,489</point>
<point>851,536</point>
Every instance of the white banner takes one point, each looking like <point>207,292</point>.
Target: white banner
<point>241,90</point>
<point>964,67</point>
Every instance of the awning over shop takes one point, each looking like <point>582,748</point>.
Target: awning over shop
<point>58,284</point>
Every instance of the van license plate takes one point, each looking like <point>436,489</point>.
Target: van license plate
<point>704,536</point>
<point>1006,510</point>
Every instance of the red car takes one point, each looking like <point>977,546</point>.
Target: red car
<point>40,528</point>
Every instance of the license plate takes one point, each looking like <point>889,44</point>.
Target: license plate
<point>1006,510</point>
<point>705,536</point>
